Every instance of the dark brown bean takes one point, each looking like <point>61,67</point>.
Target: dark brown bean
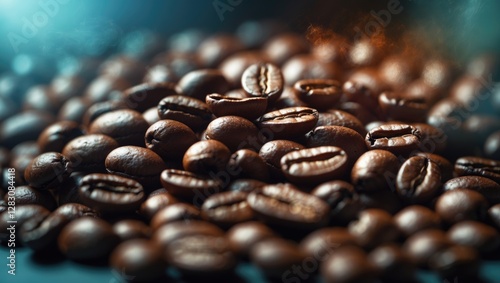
<point>487,187</point>
<point>129,229</point>
<point>288,122</point>
<point>248,107</point>
<point>375,170</point>
<point>169,139</point>
<point>155,203</point>
<point>168,233</point>
<point>373,228</point>
<point>466,166</point>
<point>57,135</point>
<point>396,138</point>
<point>418,180</point>
<point>263,80</point>
<point>235,132</point>
<point>243,236</point>
<point>175,212</point>
<point>227,208</point>
<point>127,127</point>
<point>318,93</point>
<point>461,204</point>
<point>248,164</point>
<point>144,96</point>
<point>341,118</point>
<point>483,238</point>
<point>187,185</point>
<point>416,218</point>
<point>48,170</point>
<point>322,243</point>
<point>457,263</point>
<point>207,156</point>
<point>197,84</point>
<point>348,265</point>
<point>423,245</point>
<point>394,263</point>
<point>88,153</point>
<point>344,201</point>
<point>188,110</point>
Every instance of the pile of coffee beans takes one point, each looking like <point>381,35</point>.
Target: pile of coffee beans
<point>353,161</point>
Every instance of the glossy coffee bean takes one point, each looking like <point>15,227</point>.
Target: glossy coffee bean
<point>483,238</point>
<point>248,164</point>
<point>349,265</point>
<point>305,66</point>
<point>401,107</point>
<point>57,135</point>
<point>272,151</point>
<point>88,153</point>
<point>197,84</point>
<point>235,132</point>
<point>344,201</point>
<point>244,185</point>
<point>444,164</point>
<point>487,187</point>
<point>129,229</point>
<point>288,122</point>
<point>322,243</point>
<point>418,180</point>
<point>477,166</point>
<point>48,170</point>
<point>111,193</point>
<point>207,156</point>
<point>248,107</point>
<point>169,139</point>
<point>155,203</point>
<point>189,186</point>
<point>396,138</point>
<point>23,214</point>
<point>144,96</point>
<point>187,110</point>
<point>166,234</point>
<point>138,163</point>
<point>364,86</point>
<point>375,170</point>
<point>460,205</point>
<point>315,165</point>
<point>139,259</point>
<point>394,264</point>
<point>127,127</point>
<point>432,139</point>
<point>23,126</point>
<point>227,208</point>
<point>416,218</point>
<point>99,108</point>
<point>347,139</point>
<point>244,236</point>
<point>285,205</point>
<point>341,118</point>
<point>234,66</point>
<point>175,212</point>
<point>373,228</point>
<point>458,262</point>
<point>276,256</point>
<point>423,245</point>
<point>318,93</point>
<point>263,80</point>
<point>23,195</point>
<point>87,239</point>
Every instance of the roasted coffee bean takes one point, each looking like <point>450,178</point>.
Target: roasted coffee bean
<point>401,107</point>
<point>284,46</point>
<point>235,132</point>
<point>349,265</point>
<point>200,256</point>
<point>244,236</point>
<point>57,135</point>
<point>23,214</point>
<point>23,195</point>
<point>416,218</point>
<point>127,127</point>
<point>348,140</point>
<point>155,203</point>
<point>288,122</point>
<point>245,185</point>
<point>466,166</point>
<point>315,165</point>
<point>492,146</point>
<point>394,264</point>
<point>190,186</point>
<point>318,93</point>
<point>227,208</point>
<point>197,84</point>
<point>168,233</point>
<point>233,67</point>
<point>276,256</point>
<point>175,212</point>
<point>445,166</point>
<point>100,108</point>
<point>249,107</point>
<point>272,151</point>
<point>285,205</point>
<point>144,96</point>
<point>461,204</point>
<point>375,170</point>
<point>364,87</point>
<point>288,99</point>
<point>483,238</point>
<point>460,263</point>
<point>487,187</point>
<point>190,111</point>
<point>418,180</point>
<point>422,245</point>
<point>204,157</point>
<point>111,193</point>
<point>129,229</point>
<point>305,66</point>
<point>138,163</point>
<point>214,49</point>
<point>25,126</point>
<point>140,260</point>
<point>88,153</point>
<point>169,139</point>
<point>263,80</point>
<point>373,228</point>
<point>396,138</point>
<point>322,243</point>
<point>73,109</point>
<point>248,164</point>
<point>87,238</point>
<point>39,234</point>
<point>48,170</point>
<point>432,139</point>
<point>344,201</point>
<point>341,118</point>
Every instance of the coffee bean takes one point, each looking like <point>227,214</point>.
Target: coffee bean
<point>25,126</point>
<point>233,67</point>
<point>175,212</point>
<point>285,205</point>
<point>168,233</point>
<point>288,122</point>
<point>249,107</point>
<point>214,49</point>
<point>129,229</point>
<point>364,87</point>
<point>461,204</point>
<point>460,263</point>
<point>205,157</point>
<point>235,132</point>
<point>432,139</point>
<point>87,238</point>
<point>227,208</point>
<point>285,46</point>
<point>169,139</point>
<point>155,203</point>
<point>375,170</point>
<point>422,245</point>
<point>483,238</point>
<point>144,96</point>
<point>111,193</point>
<point>384,199</point>
<point>276,256</point>
<point>444,164</point>
<point>245,185</point>
<point>48,170</point>
<point>57,135</point>
<point>396,138</point>
<point>263,80</point>
<point>341,118</point>
<point>100,108</point>
<point>344,201</point>
<point>400,107</point>
<point>187,110</point>
<point>466,166</point>
<point>246,163</point>
<point>88,153</point>
<point>349,265</point>
<point>28,195</point>
<point>197,84</point>
<point>318,93</point>
<point>244,236</point>
<point>190,186</point>
<point>314,165</point>
<point>394,264</point>
<point>139,259</point>
<point>138,163</point>
<point>487,187</point>
<point>74,109</point>
<point>272,151</point>
<point>305,66</point>
<point>373,228</point>
<point>416,218</point>
<point>322,243</point>
<point>418,180</point>
<point>23,214</point>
